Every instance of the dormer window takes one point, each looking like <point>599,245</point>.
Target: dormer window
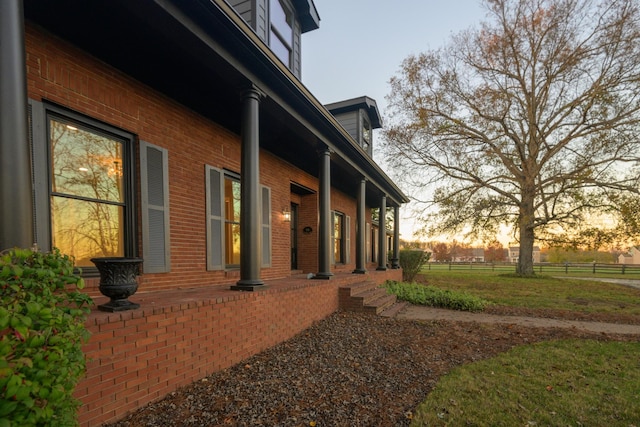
<point>366,134</point>
<point>359,117</point>
<point>281,35</point>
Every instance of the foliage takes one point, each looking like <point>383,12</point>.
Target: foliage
<point>441,252</point>
<point>430,295</point>
<point>412,262</point>
<point>41,332</point>
<point>564,254</point>
<point>571,382</point>
<point>531,120</point>
<point>495,252</point>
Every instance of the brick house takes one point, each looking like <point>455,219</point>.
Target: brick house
<point>160,130</point>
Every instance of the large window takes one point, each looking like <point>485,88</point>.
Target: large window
<point>90,196</point>
<point>281,34</point>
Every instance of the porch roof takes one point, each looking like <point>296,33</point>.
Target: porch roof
<point>202,54</point>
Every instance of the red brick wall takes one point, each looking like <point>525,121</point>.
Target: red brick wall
<point>60,73</point>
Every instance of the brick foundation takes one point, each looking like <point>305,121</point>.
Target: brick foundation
<point>178,337</point>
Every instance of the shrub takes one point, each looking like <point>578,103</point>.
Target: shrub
<point>412,262</point>
<point>435,297</point>
<point>42,317</point>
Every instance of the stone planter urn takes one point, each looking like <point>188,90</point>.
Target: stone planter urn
<point>118,281</point>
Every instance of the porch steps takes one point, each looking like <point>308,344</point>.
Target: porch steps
<point>394,309</point>
<point>365,297</point>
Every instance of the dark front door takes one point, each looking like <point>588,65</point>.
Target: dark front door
<point>294,236</point>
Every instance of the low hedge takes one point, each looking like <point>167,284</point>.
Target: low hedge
<point>434,297</point>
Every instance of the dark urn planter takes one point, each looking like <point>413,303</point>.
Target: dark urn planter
<point>118,281</point>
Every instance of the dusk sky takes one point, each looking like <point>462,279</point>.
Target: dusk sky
<point>361,44</point>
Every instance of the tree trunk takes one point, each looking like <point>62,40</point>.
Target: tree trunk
<point>526,220</point>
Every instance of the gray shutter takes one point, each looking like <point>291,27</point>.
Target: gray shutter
<point>215,218</point>
<point>40,174</point>
<point>154,185</point>
<point>347,239</point>
<point>266,226</point>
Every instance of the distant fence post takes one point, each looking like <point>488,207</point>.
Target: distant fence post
<point>594,267</point>
<point>624,267</point>
<point>449,265</point>
<point>566,268</point>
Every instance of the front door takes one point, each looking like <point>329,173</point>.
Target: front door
<point>294,236</point>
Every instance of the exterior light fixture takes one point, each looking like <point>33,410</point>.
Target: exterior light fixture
<point>286,215</point>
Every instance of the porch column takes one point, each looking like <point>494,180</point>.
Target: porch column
<point>361,238</point>
<point>16,209</point>
<point>324,227</point>
<point>395,261</point>
<point>382,235</point>
<point>250,212</point>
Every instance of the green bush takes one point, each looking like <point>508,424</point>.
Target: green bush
<point>42,329</point>
<point>435,297</point>
<point>411,261</point>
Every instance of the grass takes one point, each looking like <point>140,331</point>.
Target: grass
<point>542,292</point>
<point>568,383</point>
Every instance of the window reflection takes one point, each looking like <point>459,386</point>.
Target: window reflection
<point>87,193</point>
<point>232,221</point>
<point>338,225</point>
<point>281,37</point>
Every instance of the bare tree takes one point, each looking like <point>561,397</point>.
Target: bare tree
<point>531,120</point>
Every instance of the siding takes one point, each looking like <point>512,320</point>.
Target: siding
<point>297,52</point>
<point>350,122</point>
<point>262,13</point>
<point>243,7</point>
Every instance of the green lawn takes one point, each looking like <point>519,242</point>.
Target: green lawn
<point>560,383</point>
<point>557,383</point>
<point>539,292</point>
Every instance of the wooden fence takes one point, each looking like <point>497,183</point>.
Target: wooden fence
<point>579,269</point>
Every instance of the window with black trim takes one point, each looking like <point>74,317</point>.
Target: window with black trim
<point>281,34</point>
<point>223,220</point>
<point>338,240</point>
<point>90,187</point>
<point>366,134</point>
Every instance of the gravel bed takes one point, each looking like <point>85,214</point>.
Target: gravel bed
<point>347,370</point>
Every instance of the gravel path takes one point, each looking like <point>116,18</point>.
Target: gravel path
<point>347,370</point>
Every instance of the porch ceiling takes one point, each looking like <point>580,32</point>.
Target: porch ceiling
<point>165,47</point>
